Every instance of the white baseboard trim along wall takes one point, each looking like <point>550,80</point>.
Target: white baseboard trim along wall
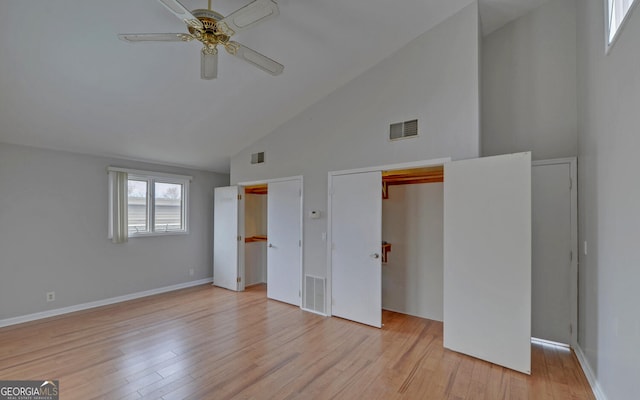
<point>99,303</point>
<point>591,377</point>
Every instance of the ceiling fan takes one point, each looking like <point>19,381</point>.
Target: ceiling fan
<point>212,29</point>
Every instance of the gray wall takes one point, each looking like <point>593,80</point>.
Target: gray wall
<point>529,98</point>
<point>350,128</point>
<point>53,233</point>
<point>609,121</point>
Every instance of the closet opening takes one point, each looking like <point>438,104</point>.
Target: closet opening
<point>465,248</point>
<point>258,237</point>
<point>412,241</point>
<point>255,228</point>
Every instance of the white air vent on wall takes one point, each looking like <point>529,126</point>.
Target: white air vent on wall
<point>314,293</point>
<point>402,130</point>
<point>257,158</point>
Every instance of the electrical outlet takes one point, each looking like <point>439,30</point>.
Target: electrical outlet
<point>191,271</point>
<point>51,296</point>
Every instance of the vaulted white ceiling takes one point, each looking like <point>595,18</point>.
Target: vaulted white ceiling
<point>67,82</point>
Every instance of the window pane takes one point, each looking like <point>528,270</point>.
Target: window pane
<point>168,207</point>
<point>618,9</point>
<point>137,206</point>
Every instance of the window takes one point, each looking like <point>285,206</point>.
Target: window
<point>156,203</point>
<point>137,206</point>
<point>617,13</point>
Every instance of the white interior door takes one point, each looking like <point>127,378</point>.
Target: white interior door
<point>552,258</point>
<point>284,238</point>
<point>228,251</point>
<point>487,259</point>
<point>356,225</point>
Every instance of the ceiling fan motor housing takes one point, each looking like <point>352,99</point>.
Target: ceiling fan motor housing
<point>209,35</point>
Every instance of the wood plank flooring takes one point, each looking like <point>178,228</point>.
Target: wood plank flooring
<point>210,343</point>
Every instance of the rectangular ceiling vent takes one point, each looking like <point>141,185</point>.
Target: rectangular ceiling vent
<point>403,130</point>
<point>257,158</point>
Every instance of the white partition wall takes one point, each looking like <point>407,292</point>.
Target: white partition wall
<point>487,259</point>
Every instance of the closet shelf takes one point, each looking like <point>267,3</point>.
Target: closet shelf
<point>255,238</point>
<point>411,177</point>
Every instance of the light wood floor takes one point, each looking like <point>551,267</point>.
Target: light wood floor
<point>209,343</point>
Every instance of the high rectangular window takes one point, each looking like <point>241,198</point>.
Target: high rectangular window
<point>617,13</point>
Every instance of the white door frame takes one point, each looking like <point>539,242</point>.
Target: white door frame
<point>573,166</point>
<point>289,178</point>
<point>388,167</point>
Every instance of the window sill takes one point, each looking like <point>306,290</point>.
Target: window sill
<point>155,234</point>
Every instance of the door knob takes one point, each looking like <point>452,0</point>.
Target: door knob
<point>270,245</point>
<point>375,255</point>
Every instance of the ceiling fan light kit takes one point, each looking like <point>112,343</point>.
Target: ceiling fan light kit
<point>213,30</point>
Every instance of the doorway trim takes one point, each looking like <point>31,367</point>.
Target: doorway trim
<point>289,178</point>
<point>573,168</point>
<point>387,167</point>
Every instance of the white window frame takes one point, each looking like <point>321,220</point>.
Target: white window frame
<point>152,178</point>
<point>608,6</point>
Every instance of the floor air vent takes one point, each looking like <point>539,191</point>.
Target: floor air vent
<point>314,293</point>
<point>402,130</point>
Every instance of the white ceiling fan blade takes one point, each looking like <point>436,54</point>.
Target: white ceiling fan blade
<point>209,64</point>
<point>253,57</point>
<point>248,16</point>
<point>180,11</point>
<point>155,37</point>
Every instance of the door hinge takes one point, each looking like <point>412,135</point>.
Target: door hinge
<point>239,280</point>
<point>239,238</point>
<point>571,255</point>
<point>299,293</point>
<point>570,183</point>
<point>570,329</point>
<point>299,243</point>
<point>239,197</point>
<point>299,192</point>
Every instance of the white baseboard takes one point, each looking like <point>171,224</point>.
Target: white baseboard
<point>99,303</point>
<point>591,377</point>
